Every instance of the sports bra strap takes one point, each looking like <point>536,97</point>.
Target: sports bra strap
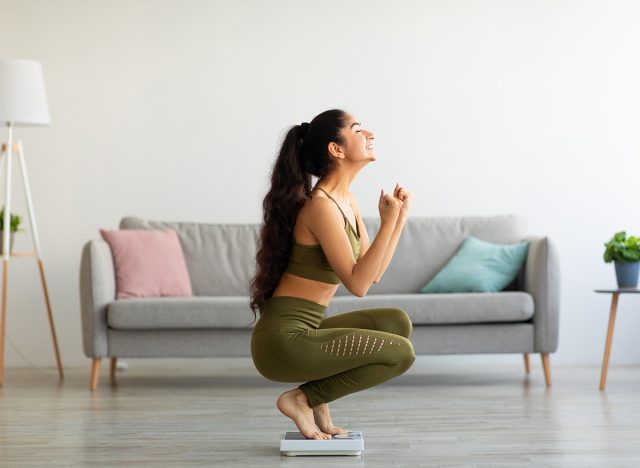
<point>325,192</point>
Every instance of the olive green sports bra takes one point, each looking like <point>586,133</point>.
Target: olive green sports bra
<point>309,261</point>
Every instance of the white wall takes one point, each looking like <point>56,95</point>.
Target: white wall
<point>173,110</point>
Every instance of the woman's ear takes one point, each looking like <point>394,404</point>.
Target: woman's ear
<point>335,150</point>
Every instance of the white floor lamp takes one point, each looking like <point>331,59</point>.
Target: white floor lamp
<point>23,101</point>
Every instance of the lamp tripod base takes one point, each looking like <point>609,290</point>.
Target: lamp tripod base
<point>7,155</point>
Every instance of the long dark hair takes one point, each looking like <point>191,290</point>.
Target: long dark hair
<point>304,153</point>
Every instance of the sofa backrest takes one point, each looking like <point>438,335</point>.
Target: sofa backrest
<point>221,257</point>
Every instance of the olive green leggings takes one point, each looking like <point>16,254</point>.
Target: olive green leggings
<point>336,356</point>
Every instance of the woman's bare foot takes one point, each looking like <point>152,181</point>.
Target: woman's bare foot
<point>294,405</point>
<point>323,420</point>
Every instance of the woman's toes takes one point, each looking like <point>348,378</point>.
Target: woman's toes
<point>334,430</point>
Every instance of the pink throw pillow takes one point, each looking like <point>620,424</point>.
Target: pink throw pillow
<point>148,263</point>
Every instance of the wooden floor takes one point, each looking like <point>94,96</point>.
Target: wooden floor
<point>221,413</point>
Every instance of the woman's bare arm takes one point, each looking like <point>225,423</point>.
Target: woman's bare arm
<point>327,224</point>
<point>391,247</point>
<point>364,240</point>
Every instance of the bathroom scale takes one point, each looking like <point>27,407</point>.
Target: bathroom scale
<point>293,444</point>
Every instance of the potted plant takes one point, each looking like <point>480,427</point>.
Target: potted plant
<point>15,222</point>
<point>625,253</point>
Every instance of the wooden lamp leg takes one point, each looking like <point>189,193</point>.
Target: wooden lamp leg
<point>95,373</point>
<point>5,245</point>
<point>527,365</point>
<point>5,271</point>
<point>546,365</point>
<point>51,325</point>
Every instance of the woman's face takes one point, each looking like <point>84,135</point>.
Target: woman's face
<point>358,141</point>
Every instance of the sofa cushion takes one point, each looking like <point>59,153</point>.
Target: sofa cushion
<point>440,309</point>
<point>180,312</point>
<point>148,263</point>
<point>479,266</point>
<point>233,312</point>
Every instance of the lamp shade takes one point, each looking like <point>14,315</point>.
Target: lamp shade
<point>23,100</point>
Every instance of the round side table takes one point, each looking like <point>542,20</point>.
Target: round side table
<point>612,321</point>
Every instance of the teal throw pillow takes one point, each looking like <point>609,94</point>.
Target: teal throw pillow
<point>479,266</point>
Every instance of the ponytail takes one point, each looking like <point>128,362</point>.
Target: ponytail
<point>304,153</point>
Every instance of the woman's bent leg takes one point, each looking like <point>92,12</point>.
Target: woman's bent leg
<point>334,362</point>
<point>346,361</point>
<point>393,327</point>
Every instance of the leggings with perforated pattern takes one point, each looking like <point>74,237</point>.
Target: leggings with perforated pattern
<point>343,354</point>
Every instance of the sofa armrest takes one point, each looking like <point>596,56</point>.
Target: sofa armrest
<point>542,281</point>
<point>97,290</point>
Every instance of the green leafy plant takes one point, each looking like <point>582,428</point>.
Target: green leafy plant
<point>621,249</point>
<point>15,221</point>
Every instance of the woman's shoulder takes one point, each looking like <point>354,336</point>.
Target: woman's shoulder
<point>318,209</point>
<point>316,204</point>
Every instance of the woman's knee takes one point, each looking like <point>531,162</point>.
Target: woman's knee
<point>405,355</point>
<point>400,322</point>
<point>409,357</point>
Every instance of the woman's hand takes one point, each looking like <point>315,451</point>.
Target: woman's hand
<point>389,208</point>
<point>405,197</point>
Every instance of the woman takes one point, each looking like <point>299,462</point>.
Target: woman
<point>310,241</point>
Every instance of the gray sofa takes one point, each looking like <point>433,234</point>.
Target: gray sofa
<point>218,322</point>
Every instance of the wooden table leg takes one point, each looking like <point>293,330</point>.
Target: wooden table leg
<point>607,346</point>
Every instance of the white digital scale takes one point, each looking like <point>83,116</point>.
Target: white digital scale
<point>293,444</point>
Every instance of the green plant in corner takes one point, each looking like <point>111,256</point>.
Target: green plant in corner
<point>621,249</point>
<point>15,221</point>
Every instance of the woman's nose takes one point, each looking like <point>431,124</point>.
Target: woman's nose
<point>370,135</point>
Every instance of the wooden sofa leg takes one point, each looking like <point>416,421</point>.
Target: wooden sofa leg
<point>112,370</point>
<point>95,373</point>
<point>546,364</point>
<point>527,365</point>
